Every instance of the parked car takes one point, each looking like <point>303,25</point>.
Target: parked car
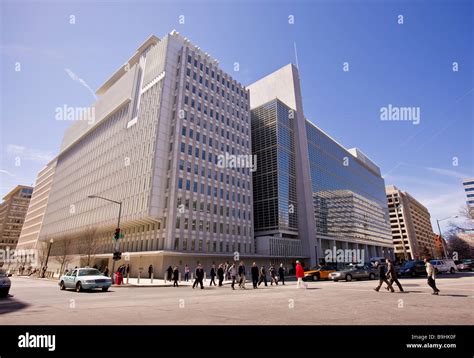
<point>5,283</point>
<point>465,265</point>
<point>85,279</point>
<point>355,271</point>
<point>412,268</point>
<point>445,265</point>
<point>318,273</point>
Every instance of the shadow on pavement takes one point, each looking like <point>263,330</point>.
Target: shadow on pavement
<point>9,304</point>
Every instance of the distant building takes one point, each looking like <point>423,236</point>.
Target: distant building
<point>12,215</point>
<point>412,232</point>
<point>469,189</point>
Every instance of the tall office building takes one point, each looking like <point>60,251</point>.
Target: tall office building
<point>469,190</point>
<point>12,215</point>
<point>37,207</point>
<point>412,232</point>
<point>154,140</point>
<point>310,193</point>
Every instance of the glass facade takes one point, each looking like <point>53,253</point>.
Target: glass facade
<point>348,195</point>
<point>274,182</point>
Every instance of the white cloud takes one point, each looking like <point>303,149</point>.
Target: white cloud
<point>76,78</point>
<point>2,171</point>
<point>24,153</point>
<point>449,172</point>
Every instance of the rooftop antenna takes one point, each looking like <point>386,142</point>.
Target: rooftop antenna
<point>296,56</point>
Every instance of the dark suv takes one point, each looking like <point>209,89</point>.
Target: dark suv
<point>412,269</point>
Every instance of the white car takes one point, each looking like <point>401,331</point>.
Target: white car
<point>85,279</point>
<point>445,265</point>
<point>5,283</point>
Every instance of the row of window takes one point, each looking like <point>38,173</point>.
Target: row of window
<point>231,180</point>
<point>212,208</point>
<point>185,184</point>
<point>205,226</point>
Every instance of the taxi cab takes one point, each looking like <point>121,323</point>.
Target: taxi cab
<point>318,273</point>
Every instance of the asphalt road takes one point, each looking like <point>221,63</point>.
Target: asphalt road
<point>40,302</point>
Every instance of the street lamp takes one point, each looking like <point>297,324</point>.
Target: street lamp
<point>47,258</point>
<point>116,249</point>
<point>439,230</point>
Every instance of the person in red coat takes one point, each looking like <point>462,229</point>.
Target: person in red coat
<point>300,275</point>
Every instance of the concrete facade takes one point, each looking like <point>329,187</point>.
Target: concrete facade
<point>153,141</point>
<point>37,207</point>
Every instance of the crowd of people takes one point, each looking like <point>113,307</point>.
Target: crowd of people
<point>228,271</point>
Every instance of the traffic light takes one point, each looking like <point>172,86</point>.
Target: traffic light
<point>117,234</point>
<point>117,255</point>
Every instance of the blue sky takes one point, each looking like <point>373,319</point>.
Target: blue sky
<point>407,65</point>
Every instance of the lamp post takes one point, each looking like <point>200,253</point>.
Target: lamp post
<point>116,248</point>
<point>439,230</point>
<point>47,258</point>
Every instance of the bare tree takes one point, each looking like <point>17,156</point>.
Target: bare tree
<point>457,244</point>
<point>42,252</point>
<point>89,244</point>
<point>62,251</point>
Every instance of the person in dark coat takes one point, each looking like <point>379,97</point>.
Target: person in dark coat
<point>281,273</point>
<point>169,273</point>
<point>263,276</point>
<point>242,275</point>
<point>392,275</point>
<point>213,275</point>
<point>273,273</point>
<point>255,273</point>
<point>150,271</point>
<point>199,276</point>
<point>175,276</point>
<point>382,278</point>
<point>220,274</point>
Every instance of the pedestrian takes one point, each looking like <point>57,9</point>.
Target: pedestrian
<point>106,271</point>
<point>226,270</point>
<point>300,275</point>
<point>127,271</point>
<point>382,277</point>
<point>169,273</point>
<point>175,276</point>
<point>150,270</point>
<point>392,275</point>
<point>187,270</point>
<point>430,271</point>
<point>199,276</point>
<point>273,275</point>
<point>241,275</point>
<point>220,274</point>
<point>254,272</point>
<point>281,274</point>
<point>233,274</point>
<point>263,276</point>
<point>213,275</point>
